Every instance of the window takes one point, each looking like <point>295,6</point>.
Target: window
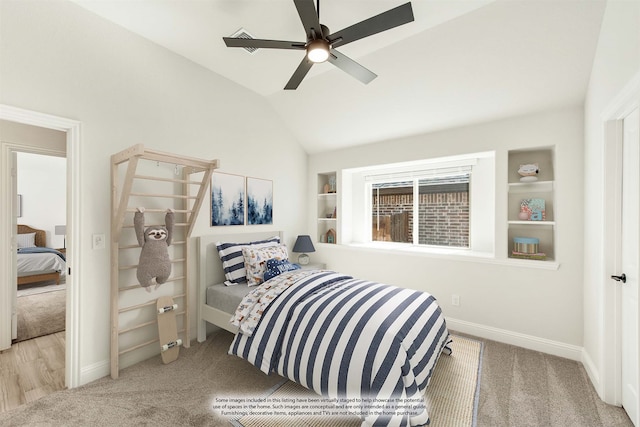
<point>428,211</point>
<point>429,205</point>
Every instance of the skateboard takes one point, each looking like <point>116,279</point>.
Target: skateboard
<point>167,329</point>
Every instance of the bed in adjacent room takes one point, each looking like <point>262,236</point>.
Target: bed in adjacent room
<point>339,336</point>
<point>35,261</point>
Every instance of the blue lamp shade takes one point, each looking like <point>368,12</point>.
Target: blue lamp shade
<point>303,244</point>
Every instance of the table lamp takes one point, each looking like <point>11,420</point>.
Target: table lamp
<point>303,244</point>
<point>61,230</point>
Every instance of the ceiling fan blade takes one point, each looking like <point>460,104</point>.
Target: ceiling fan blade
<point>309,17</point>
<point>299,74</point>
<point>262,44</point>
<point>376,24</point>
<point>351,67</point>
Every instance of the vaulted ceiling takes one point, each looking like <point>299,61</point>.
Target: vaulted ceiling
<point>458,63</point>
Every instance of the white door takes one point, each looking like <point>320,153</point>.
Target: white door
<point>631,265</point>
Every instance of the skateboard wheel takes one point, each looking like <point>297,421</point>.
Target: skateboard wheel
<point>171,344</point>
<point>168,308</point>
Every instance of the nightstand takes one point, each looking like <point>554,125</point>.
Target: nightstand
<point>313,266</point>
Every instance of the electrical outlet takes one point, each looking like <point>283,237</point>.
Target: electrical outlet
<point>455,300</point>
<point>98,241</point>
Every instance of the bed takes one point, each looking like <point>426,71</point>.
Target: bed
<point>342,337</point>
<point>36,262</point>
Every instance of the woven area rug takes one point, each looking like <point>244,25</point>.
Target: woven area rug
<point>41,314</point>
<point>452,395</point>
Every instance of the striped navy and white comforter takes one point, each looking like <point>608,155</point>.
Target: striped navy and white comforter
<point>346,338</point>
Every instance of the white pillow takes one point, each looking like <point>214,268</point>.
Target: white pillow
<point>255,261</point>
<point>27,240</point>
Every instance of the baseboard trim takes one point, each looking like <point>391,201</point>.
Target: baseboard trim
<point>592,371</point>
<point>530,342</point>
<point>94,372</point>
<point>102,369</point>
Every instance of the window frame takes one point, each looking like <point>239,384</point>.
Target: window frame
<point>417,176</point>
<point>357,203</point>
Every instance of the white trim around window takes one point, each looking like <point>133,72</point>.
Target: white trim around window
<point>356,201</point>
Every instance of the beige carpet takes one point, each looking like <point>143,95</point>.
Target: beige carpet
<point>41,313</point>
<point>451,396</point>
<point>518,388</point>
<point>181,393</point>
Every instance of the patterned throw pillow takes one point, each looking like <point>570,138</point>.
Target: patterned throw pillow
<point>276,267</point>
<point>233,260</point>
<point>255,261</point>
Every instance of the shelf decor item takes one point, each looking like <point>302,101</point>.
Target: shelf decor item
<point>527,248</point>
<point>540,256</point>
<point>332,184</point>
<point>534,210</point>
<point>303,244</point>
<point>529,172</point>
<point>526,245</point>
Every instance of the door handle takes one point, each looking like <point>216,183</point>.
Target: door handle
<point>622,278</point>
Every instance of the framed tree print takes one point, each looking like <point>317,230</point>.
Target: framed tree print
<point>227,199</point>
<point>259,201</point>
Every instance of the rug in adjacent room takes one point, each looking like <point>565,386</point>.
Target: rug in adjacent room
<point>41,314</point>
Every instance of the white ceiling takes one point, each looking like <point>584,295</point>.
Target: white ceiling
<point>459,62</point>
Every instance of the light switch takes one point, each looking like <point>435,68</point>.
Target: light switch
<point>98,241</point>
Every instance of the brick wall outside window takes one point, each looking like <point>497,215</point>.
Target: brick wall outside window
<point>444,217</point>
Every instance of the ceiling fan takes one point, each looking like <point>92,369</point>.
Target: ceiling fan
<point>320,44</point>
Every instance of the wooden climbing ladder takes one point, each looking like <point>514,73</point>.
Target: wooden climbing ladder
<point>157,181</point>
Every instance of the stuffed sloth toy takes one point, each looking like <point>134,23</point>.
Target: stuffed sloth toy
<point>154,258</point>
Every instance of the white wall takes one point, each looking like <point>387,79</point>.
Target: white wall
<point>616,62</point>
<point>494,296</point>
<point>60,59</point>
<point>42,183</point>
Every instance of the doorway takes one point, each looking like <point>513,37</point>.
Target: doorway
<point>7,232</point>
<point>41,185</point>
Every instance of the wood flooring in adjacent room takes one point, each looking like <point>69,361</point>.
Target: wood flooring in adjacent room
<point>31,369</point>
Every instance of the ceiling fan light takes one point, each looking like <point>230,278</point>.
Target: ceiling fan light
<point>318,51</point>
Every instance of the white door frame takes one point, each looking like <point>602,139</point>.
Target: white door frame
<point>7,270</point>
<point>611,338</point>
